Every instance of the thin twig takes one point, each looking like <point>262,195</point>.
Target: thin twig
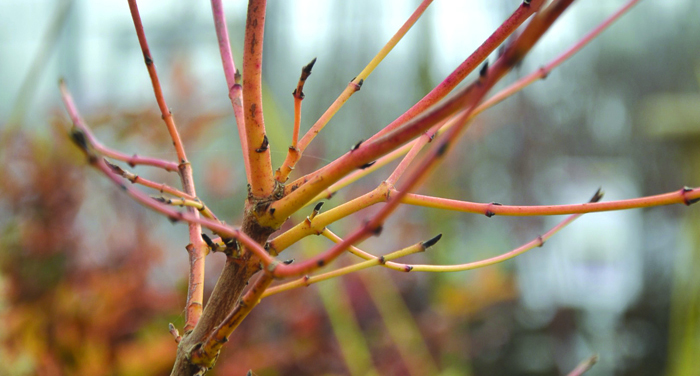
<point>197,204</point>
<point>584,366</point>
<point>355,84</point>
<point>136,179</point>
<point>308,280</point>
<point>233,78</point>
<point>364,255</point>
<point>196,249</point>
<point>298,97</point>
<point>100,149</point>
<point>685,196</point>
<point>495,99</point>
<point>316,225</point>
<point>508,27</point>
<point>474,93</point>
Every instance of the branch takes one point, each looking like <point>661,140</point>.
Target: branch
<point>135,179</point>
<point>545,70</point>
<point>315,224</point>
<point>98,148</point>
<point>508,27</point>
<point>355,84</point>
<point>472,95</point>
<point>233,78</point>
<point>261,181</point>
<point>206,353</point>
<point>685,195</point>
<point>298,97</point>
<point>497,98</point>
<point>584,366</point>
<point>197,204</point>
<point>197,248</point>
<point>367,256</point>
<point>308,280</point>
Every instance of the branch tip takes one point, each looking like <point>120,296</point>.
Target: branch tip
<point>431,242</point>
<point>484,69</point>
<point>597,196</point>
<point>306,70</point>
<point>174,332</point>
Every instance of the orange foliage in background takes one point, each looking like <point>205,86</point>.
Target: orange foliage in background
<point>64,311</point>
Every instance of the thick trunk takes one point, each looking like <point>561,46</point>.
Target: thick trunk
<point>228,290</point>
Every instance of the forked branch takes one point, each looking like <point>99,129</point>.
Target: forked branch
<point>355,84</point>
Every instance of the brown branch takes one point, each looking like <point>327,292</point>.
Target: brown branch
<point>207,352</point>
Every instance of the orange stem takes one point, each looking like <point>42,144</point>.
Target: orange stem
<point>261,181</point>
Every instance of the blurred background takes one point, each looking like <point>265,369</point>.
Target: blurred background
<point>89,280</point>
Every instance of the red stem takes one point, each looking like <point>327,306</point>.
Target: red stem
<point>232,78</point>
<point>478,90</point>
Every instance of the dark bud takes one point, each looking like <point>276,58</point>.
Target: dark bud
<point>489,213</point>
<point>377,230</point>
<point>288,262</point>
<point>264,145</point>
<point>208,241</point>
<point>78,138</point>
<point>540,240</point>
<point>443,148</point>
<point>357,145</point>
<point>381,260</point>
<point>526,3</point>
<point>686,200</point>
<point>597,196</point>
<point>367,165</point>
<point>318,206</point>
<point>272,211</point>
<point>429,243</point>
<point>117,170</point>
<point>484,69</point>
<point>320,263</point>
<point>496,204</point>
<point>306,70</point>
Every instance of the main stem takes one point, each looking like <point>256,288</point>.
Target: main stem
<point>227,292</point>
